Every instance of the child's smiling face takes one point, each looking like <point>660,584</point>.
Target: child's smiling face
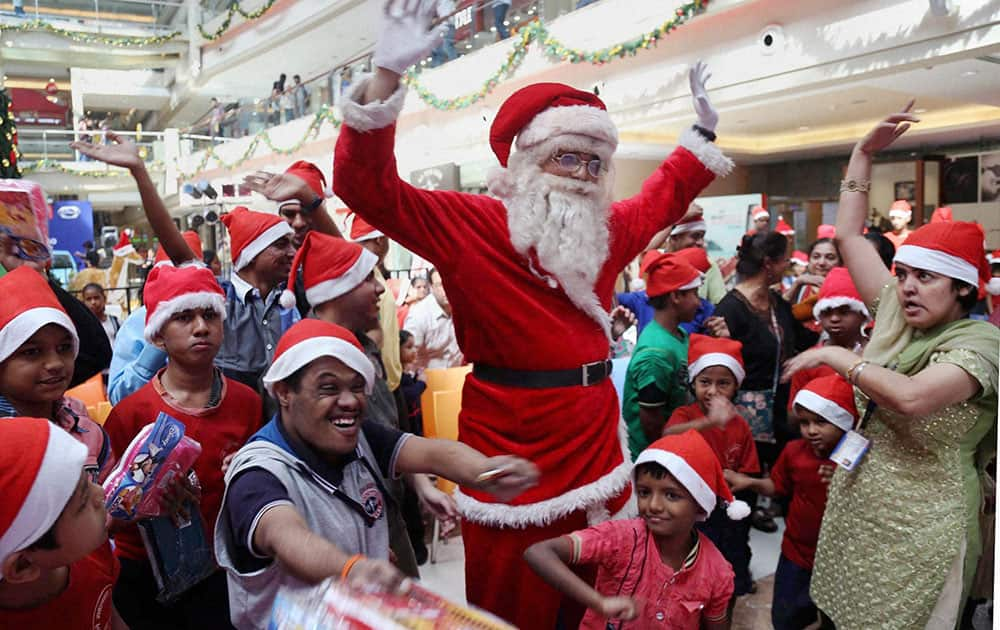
<point>41,369</point>
<point>665,504</point>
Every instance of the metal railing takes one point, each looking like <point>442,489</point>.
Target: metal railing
<point>53,144</point>
<point>98,15</point>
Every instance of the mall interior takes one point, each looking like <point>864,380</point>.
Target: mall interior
<point>215,90</point>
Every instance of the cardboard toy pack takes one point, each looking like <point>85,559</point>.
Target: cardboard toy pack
<point>335,605</point>
<point>157,455</point>
<point>24,215</point>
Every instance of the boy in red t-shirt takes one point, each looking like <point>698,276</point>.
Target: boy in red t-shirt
<point>184,312</point>
<point>56,566</point>
<point>715,367</point>
<point>826,410</point>
<point>656,570</point>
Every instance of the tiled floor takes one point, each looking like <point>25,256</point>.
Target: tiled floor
<point>753,612</point>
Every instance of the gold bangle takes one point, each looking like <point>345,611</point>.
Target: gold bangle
<point>857,375</point>
<point>855,185</point>
<point>850,370</point>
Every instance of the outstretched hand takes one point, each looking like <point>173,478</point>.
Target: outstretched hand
<point>621,320</point>
<point>120,152</point>
<point>698,75</point>
<point>280,187</point>
<point>886,131</point>
<point>408,33</point>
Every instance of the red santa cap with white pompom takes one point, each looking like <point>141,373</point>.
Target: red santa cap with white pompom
<point>951,248</point>
<point>28,305</point>
<point>330,268</point>
<point>311,339</point>
<point>838,290</point>
<point>831,398</point>
<point>362,230</point>
<point>313,177</point>
<point>759,212</point>
<point>705,352</point>
<point>901,208</point>
<point>251,232</point>
<point>691,461</point>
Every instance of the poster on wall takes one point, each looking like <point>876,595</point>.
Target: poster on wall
<point>989,177</point>
<point>728,219</point>
<point>958,180</point>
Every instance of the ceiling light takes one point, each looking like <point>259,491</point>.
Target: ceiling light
<point>920,110</point>
<point>970,73</point>
<point>804,128</point>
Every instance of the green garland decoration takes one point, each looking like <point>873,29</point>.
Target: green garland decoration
<point>235,8</point>
<point>10,155</point>
<point>537,33</point>
<point>116,41</point>
<point>324,115</point>
<point>52,165</point>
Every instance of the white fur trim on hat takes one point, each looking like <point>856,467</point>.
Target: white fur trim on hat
<point>123,251</point>
<point>703,494</point>
<point>307,351</point>
<point>690,226</point>
<point>837,302</point>
<point>374,234</point>
<point>589,498</point>
<point>826,409</point>
<point>184,302</point>
<point>55,482</point>
<point>375,115</point>
<point>707,152</point>
<point>694,284</point>
<point>336,287</point>
<point>592,127</point>
<point>938,262</point>
<point>761,214</point>
<point>26,324</point>
<point>712,359</point>
<point>262,242</point>
<point>899,212</point>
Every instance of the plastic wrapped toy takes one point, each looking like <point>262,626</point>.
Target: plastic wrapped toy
<point>156,456</point>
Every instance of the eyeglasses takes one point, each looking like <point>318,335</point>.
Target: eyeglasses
<point>26,248</point>
<point>571,163</point>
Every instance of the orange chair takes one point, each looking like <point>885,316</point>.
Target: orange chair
<point>99,413</point>
<point>89,392</point>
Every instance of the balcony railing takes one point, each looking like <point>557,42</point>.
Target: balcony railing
<point>148,16</point>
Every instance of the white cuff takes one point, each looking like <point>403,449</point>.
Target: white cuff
<point>707,153</point>
<point>375,115</point>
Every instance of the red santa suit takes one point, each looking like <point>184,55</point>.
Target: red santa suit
<point>509,314</point>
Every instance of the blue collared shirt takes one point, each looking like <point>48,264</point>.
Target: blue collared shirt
<point>134,361</point>
<point>253,326</point>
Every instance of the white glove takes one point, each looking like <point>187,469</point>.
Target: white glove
<point>708,118</point>
<point>406,35</point>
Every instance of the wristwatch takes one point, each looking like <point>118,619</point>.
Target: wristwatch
<point>316,203</point>
<point>704,133</point>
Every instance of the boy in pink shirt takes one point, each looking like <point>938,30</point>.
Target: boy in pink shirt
<point>656,571</point>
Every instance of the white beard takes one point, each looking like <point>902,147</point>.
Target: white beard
<point>565,222</point>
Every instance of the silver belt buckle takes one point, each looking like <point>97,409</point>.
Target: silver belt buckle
<point>586,374</point>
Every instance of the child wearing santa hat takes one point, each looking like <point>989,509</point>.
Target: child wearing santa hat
<point>826,411</point>
<point>306,497</point>
<point>185,309</point>
<point>656,570</point>
<point>900,214</point>
<point>715,369</point>
<point>38,348</point>
<point>656,380</point>
<point>56,566</point>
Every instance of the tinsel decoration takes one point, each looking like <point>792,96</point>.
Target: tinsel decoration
<point>10,167</point>
<point>234,9</point>
<point>115,41</point>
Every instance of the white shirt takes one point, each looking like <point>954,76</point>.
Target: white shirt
<point>434,330</point>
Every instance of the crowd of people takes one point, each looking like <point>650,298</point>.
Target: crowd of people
<point>853,394</point>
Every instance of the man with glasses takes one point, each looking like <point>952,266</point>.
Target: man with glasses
<point>529,274</point>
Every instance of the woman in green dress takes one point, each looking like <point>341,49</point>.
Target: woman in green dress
<point>900,538</point>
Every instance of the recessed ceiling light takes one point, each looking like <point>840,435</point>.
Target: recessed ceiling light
<point>970,73</point>
<point>920,110</point>
<point>804,128</point>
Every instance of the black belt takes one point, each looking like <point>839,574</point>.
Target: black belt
<point>586,375</point>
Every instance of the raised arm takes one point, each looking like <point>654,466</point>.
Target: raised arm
<point>287,187</point>
<point>862,261</point>
<point>124,153</point>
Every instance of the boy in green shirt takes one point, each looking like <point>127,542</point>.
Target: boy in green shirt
<point>656,382</point>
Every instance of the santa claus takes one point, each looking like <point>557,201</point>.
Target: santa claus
<point>530,274</point>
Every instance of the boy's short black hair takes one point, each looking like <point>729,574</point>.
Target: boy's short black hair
<point>92,285</point>
<point>659,302</point>
<point>294,380</point>
<point>654,470</point>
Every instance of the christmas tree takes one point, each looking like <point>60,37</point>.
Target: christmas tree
<point>9,153</point>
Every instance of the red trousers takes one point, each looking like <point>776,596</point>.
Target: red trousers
<point>498,579</point>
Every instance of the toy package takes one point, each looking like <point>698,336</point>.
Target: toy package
<point>154,458</point>
<point>335,605</point>
<point>24,217</point>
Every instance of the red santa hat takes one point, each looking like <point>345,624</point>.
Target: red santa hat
<point>362,230</point>
<point>546,117</point>
<point>171,290</point>
<point>759,212</point>
<point>942,215</point>
<point>826,231</point>
<point>330,267</point>
<point>647,260</point>
<point>799,257</point>
<point>312,175</point>
<point>693,463</point>
<point>669,273</point>
<point>952,248</point>
<point>993,257</point>
<point>252,232</point>
<point>124,246</point>
<point>838,290</point>
<point>901,208</point>
<point>691,224</point>
<point>831,398</point>
<point>705,352</point>
<point>40,466</point>
<point>697,257</point>
<point>28,305</point>
<point>782,227</point>
<point>311,339</point>
<point>191,238</point>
